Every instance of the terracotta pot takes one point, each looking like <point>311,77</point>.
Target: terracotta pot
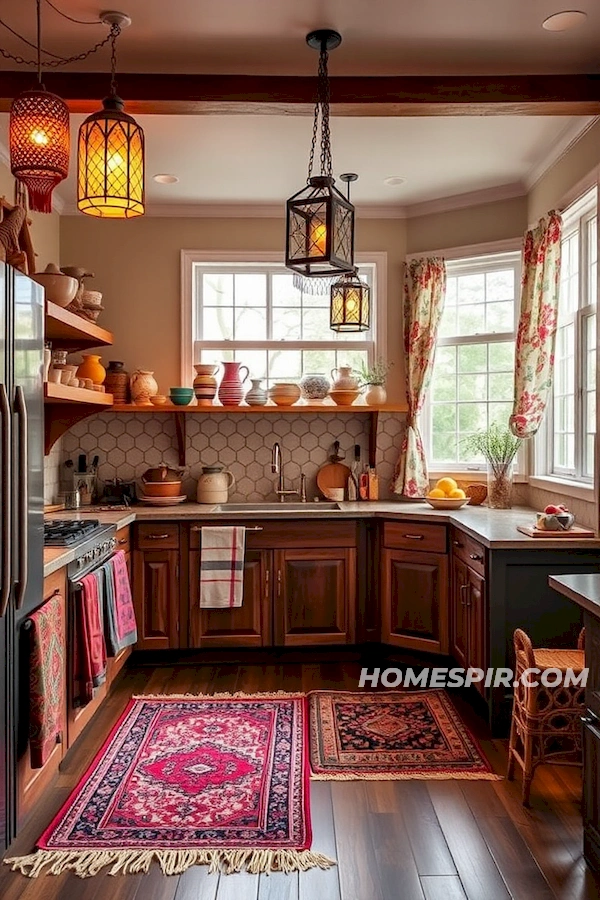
<point>284,394</point>
<point>161,475</point>
<point>205,383</point>
<point>143,386</point>
<point>231,389</point>
<point>162,488</point>
<point>91,367</point>
<point>343,380</point>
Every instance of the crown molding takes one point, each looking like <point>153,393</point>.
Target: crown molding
<point>573,132</point>
<point>462,201</point>
<point>243,211</point>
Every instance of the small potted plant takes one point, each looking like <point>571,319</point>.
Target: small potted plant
<point>374,377</point>
<point>499,447</point>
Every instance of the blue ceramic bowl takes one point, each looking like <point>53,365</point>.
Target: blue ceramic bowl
<point>181,396</point>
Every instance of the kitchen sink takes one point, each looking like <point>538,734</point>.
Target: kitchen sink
<point>275,507</point>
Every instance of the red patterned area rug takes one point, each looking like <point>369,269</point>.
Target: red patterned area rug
<point>390,737</point>
<point>219,781</point>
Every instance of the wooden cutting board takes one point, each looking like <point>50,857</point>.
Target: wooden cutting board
<point>332,475</point>
<point>575,532</point>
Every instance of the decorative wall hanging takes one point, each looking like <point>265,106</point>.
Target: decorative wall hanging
<point>320,220</point>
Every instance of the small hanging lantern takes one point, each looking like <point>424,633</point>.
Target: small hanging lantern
<point>39,139</point>
<point>350,298</point>
<point>320,221</point>
<point>110,155</point>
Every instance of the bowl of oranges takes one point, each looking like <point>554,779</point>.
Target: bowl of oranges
<point>446,495</point>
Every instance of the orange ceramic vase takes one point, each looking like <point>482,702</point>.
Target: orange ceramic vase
<point>91,367</point>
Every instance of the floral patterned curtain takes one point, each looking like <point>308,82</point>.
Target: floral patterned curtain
<point>534,357</point>
<point>424,295</point>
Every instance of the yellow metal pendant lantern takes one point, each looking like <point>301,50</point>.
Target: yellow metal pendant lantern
<point>110,156</point>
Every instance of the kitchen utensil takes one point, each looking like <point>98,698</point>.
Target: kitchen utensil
<point>162,489</point>
<point>86,486</point>
<point>344,398</point>
<point>333,474</point>
<point>447,502</point>
<point>162,501</point>
<point>162,473</point>
<point>82,463</point>
<point>214,484</point>
<point>181,396</point>
<point>575,532</point>
<point>158,400</point>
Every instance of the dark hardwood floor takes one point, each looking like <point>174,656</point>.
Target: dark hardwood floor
<point>412,840</point>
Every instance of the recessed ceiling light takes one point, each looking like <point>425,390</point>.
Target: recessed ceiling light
<point>166,179</point>
<point>565,20</point>
<point>394,180</point>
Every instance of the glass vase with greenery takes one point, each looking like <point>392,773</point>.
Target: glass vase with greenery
<point>499,448</point>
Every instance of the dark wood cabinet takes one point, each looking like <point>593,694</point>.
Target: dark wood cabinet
<point>315,596</point>
<point>414,602</point>
<point>591,790</point>
<point>156,598</point>
<point>249,625</point>
<point>468,618</point>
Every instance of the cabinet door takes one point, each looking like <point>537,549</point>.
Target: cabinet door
<point>477,643</point>
<point>156,598</point>
<point>415,600</point>
<point>315,597</point>
<point>459,613</point>
<point>591,790</point>
<point>248,625</point>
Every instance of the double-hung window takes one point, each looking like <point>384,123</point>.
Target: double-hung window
<point>250,310</point>
<point>566,445</point>
<point>473,378</point>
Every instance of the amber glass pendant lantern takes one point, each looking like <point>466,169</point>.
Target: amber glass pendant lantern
<point>110,154</point>
<point>350,304</point>
<point>320,220</point>
<point>39,139</point>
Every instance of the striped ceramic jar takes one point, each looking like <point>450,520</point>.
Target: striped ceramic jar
<point>205,383</point>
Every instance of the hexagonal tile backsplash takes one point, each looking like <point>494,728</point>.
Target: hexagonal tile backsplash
<point>129,444</point>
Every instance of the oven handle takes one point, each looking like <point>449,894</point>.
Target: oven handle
<point>5,500</point>
<point>23,490</point>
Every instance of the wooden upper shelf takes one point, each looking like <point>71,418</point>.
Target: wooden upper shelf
<point>299,409</point>
<point>62,393</point>
<point>73,332</point>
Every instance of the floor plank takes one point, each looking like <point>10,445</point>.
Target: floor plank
<point>357,862</point>
<point>316,882</point>
<point>443,887</point>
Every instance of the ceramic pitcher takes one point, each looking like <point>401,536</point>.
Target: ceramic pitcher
<point>231,389</point>
<point>143,386</point>
<point>214,484</point>
<point>343,380</point>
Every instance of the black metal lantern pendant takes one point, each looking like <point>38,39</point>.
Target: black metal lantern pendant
<point>320,220</point>
<point>350,298</point>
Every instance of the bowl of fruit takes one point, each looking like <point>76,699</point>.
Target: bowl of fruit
<point>555,518</point>
<point>446,495</point>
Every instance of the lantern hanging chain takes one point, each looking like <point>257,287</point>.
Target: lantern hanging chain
<point>39,41</point>
<point>115,31</point>
<point>322,113</point>
<point>57,60</point>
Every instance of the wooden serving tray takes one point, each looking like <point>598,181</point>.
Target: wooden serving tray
<point>576,531</point>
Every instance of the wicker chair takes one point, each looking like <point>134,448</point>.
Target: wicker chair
<point>546,721</point>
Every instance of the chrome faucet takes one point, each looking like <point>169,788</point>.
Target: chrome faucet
<point>277,469</point>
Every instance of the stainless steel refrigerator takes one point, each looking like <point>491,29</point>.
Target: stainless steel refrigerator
<point>21,510</point>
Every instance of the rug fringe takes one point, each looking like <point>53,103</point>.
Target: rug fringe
<point>399,776</point>
<point>223,695</point>
<point>86,863</point>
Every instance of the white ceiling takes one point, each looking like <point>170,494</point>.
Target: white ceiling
<point>250,160</point>
<point>267,36</point>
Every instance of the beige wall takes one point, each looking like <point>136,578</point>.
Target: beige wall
<point>45,228</point>
<point>136,264</point>
<point>556,185</point>
<point>480,224</point>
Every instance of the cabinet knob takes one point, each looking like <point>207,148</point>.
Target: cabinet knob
<point>477,557</point>
<point>414,537</point>
<point>458,543</point>
<point>158,537</point>
<point>122,540</point>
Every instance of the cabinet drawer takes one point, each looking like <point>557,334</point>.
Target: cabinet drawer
<point>415,536</point>
<point>160,536</point>
<point>267,534</point>
<point>123,537</point>
<point>469,550</point>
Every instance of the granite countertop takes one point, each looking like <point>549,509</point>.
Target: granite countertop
<point>496,529</point>
<point>581,589</point>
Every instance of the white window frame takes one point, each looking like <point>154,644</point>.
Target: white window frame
<point>254,259</point>
<point>572,481</point>
<point>468,255</point>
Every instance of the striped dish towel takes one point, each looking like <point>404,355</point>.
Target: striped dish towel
<point>222,567</point>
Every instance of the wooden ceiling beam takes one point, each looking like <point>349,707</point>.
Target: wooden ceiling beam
<point>403,95</point>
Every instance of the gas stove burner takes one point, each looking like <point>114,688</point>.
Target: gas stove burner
<point>61,533</point>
